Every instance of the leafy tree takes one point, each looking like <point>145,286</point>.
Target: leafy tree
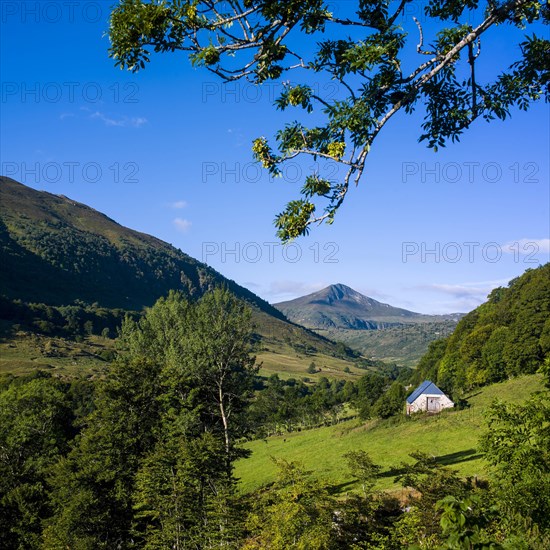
<point>517,445</point>
<point>257,40</point>
<point>428,365</point>
<point>367,522</point>
<point>265,410</point>
<point>369,389</point>
<point>205,348</point>
<point>221,364</point>
<point>296,512</point>
<point>348,391</point>
<point>88,327</point>
<point>391,402</point>
<point>35,428</point>
<point>461,526</point>
<point>471,354</point>
<point>545,371</point>
<point>180,488</point>
<point>154,462</point>
<point>431,482</point>
<point>93,484</point>
<point>363,469</point>
<point>493,355</point>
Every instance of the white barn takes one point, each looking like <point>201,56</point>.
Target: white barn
<point>429,398</point>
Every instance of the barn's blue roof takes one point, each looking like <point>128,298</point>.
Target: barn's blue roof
<point>426,387</point>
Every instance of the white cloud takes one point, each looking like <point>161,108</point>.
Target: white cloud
<point>462,296</point>
<point>122,122</point>
<point>445,307</point>
<point>527,246</point>
<point>463,290</point>
<point>182,224</point>
<point>178,205</point>
<point>138,121</point>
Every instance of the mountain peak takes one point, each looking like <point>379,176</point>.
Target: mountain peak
<point>340,306</point>
<point>339,291</point>
<point>342,288</point>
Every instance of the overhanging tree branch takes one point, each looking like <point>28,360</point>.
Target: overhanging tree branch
<point>251,42</point>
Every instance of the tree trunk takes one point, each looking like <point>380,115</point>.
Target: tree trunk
<point>225,429</point>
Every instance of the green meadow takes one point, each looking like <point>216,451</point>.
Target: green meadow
<point>451,437</point>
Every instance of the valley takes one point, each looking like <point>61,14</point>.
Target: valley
<point>452,438</point>
<point>60,253</point>
<point>111,339</point>
<point>377,330</point>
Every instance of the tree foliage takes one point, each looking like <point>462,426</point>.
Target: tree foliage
<point>363,469</point>
<point>154,462</point>
<point>365,52</point>
<point>391,402</point>
<point>295,513</point>
<point>92,485</point>
<point>145,471</point>
<point>35,427</point>
<point>461,525</point>
<point>143,458</point>
<point>517,445</point>
<point>504,337</point>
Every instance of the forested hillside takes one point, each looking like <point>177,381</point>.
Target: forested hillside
<point>507,336</point>
<point>70,271</point>
<point>404,344</point>
<point>55,251</point>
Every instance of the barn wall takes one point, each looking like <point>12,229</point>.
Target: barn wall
<point>421,403</point>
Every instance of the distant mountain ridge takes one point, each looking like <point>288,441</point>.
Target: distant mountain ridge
<point>340,307</point>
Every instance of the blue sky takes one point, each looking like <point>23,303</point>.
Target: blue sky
<point>167,151</point>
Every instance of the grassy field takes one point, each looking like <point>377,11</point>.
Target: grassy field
<point>451,436</point>
<point>288,350</point>
<point>284,361</point>
<point>22,352</point>
<point>26,352</point>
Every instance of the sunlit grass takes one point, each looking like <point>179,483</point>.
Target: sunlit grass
<point>451,436</point>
